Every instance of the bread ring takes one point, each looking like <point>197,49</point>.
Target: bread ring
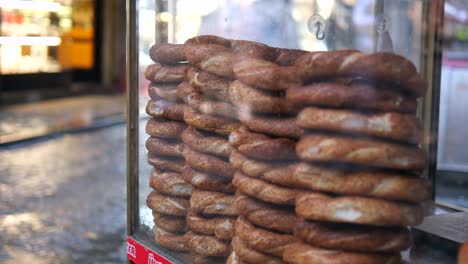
<point>358,210</point>
<point>209,39</point>
<point>169,223</point>
<point>213,58</point>
<point>165,162</point>
<point>163,91</point>
<point>288,57</point>
<point>265,191</point>
<point>165,73</point>
<point>209,123</point>
<point>274,172</point>
<point>170,183</point>
<point>166,204</point>
<point>262,240</point>
<point>206,181</point>
<point>258,101</point>
<point>167,53</point>
<point>260,146</point>
<point>209,84</point>
<point>357,96</point>
<point>300,253</point>
<point>348,237</point>
<point>201,259</point>
<point>164,147</point>
<point>207,245</point>
<point>271,125</point>
<point>364,151</point>
<point>164,128</point>
<point>252,49</point>
<point>206,142</point>
<point>396,126</point>
<point>169,240</point>
<point>266,215</point>
<point>248,255</point>
<point>379,184</point>
<point>165,109</point>
<point>208,163</point>
<point>381,66</point>
<point>234,259</point>
<point>212,203</point>
<point>220,227</point>
<point>191,96</point>
<point>265,74</point>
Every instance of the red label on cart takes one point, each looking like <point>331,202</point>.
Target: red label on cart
<point>139,254</point>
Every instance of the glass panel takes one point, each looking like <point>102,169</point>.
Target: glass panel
<point>362,141</point>
<point>452,159</point>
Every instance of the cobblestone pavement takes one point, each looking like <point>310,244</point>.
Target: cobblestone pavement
<point>62,199</point>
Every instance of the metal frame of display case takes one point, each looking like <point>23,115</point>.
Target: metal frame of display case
<point>140,248</point>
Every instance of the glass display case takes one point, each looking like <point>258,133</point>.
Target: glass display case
<point>293,131</point>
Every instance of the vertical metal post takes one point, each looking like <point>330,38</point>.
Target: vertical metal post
<point>132,117</point>
<point>433,21</point>
<point>378,10</point>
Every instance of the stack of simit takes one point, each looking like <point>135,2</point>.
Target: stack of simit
<point>361,158</point>
<point>169,200</point>
<point>264,153</point>
<point>211,118</point>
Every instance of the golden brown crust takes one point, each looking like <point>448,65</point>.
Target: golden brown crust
<point>165,109</point>
<point>170,183</point>
<point>274,172</point>
<point>381,66</point>
<point>166,73</point>
<point>165,128</point>
<point>208,163</point>
<point>358,210</point>
<point>220,227</point>
<point>212,58</point>
<point>170,223</point>
<point>164,147</point>
<point>353,95</point>
<point>252,49</point>
<point>271,125</point>
<point>212,203</point>
<point>166,204</point>
<point>266,215</point>
<point>265,74</point>
<point>262,240</point>
<point>258,101</point>
<point>167,53</point>
<point>364,151</point>
<point>163,91</point>
<point>251,256</point>
<point>373,183</point>
<point>209,39</point>
<point>209,84</point>
<point>300,253</point>
<point>206,143</point>
<point>209,123</point>
<point>168,240</point>
<point>195,99</point>
<point>260,146</point>
<point>288,57</point>
<point>234,259</point>
<point>396,126</point>
<point>265,191</point>
<point>208,182</point>
<point>165,162</point>
<point>207,245</point>
<point>353,237</point>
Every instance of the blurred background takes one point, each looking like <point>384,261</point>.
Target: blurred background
<point>62,104</point>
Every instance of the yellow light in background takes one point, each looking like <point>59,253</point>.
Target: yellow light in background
<point>30,5</point>
<point>30,41</point>
<point>164,17</point>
